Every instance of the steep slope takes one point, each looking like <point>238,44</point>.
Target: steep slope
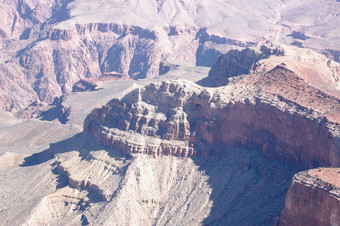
<point>182,119</point>
<point>240,162</point>
<point>172,152</point>
<point>47,47</point>
<point>79,181</point>
<point>235,63</point>
<point>313,198</point>
<point>314,68</point>
<point>100,186</point>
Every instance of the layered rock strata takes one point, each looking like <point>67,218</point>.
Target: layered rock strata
<point>236,62</point>
<point>315,69</point>
<point>49,61</point>
<point>182,119</point>
<point>313,198</point>
<point>47,47</point>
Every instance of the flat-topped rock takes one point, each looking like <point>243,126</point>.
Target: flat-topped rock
<point>313,198</point>
<point>180,118</point>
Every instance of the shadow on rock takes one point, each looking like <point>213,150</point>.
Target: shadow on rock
<point>248,188</point>
<point>84,144</point>
<point>80,142</point>
<point>37,158</point>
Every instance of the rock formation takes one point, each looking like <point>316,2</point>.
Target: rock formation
<point>172,152</point>
<point>313,198</point>
<point>220,152</point>
<point>236,62</point>
<point>314,68</point>
<point>182,119</point>
<point>48,47</point>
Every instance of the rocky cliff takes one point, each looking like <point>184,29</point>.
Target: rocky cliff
<point>90,51</point>
<point>236,62</point>
<point>314,68</point>
<point>182,119</point>
<point>47,47</point>
<point>44,58</point>
<point>221,152</point>
<point>313,198</point>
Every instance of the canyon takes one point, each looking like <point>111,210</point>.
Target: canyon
<point>168,151</point>
<point>47,47</point>
<point>317,187</point>
<point>169,112</point>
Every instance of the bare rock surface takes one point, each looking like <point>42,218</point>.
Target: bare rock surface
<point>314,68</point>
<point>93,184</point>
<point>182,119</point>
<point>73,108</point>
<point>47,47</point>
<point>86,178</point>
<point>235,63</point>
<point>160,152</point>
<point>313,198</point>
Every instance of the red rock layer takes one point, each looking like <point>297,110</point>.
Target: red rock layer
<point>197,120</point>
<point>311,201</point>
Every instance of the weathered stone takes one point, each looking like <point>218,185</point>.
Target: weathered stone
<point>183,119</point>
<point>313,198</point>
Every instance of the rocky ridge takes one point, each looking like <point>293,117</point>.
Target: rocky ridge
<point>235,63</point>
<point>94,50</point>
<point>182,119</point>
<point>47,47</point>
<point>313,199</point>
<point>314,68</point>
<point>104,187</point>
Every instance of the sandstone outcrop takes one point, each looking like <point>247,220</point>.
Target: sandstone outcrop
<point>221,152</point>
<point>54,111</point>
<point>84,86</point>
<point>182,119</point>
<point>89,51</point>
<point>236,62</point>
<point>47,47</point>
<point>313,198</point>
<point>314,68</point>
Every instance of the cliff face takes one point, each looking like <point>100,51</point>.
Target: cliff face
<point>242,137</point>
<point>182,119</point>
<point>162,190</point>
<point>87,51</point>
<point>42,58</point>
<point>236,62</point>
<point>314,68</point>
<point>51,60</point>
<point>313,198</point>
<point>47,47</point>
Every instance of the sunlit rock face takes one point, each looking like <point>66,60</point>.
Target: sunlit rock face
<point>313,198</point>
<point>182,119</point>
<point>50,46</point>
<point>173,152</point>
<point>276,116</point>
<point>235,63</point>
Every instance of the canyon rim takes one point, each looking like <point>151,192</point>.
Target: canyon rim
<point>169,112</point>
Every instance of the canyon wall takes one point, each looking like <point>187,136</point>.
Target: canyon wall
<point>236,62</point>
<point>277,113</point>
<point>53,60</point>
<point>182,119</point>
<point>47,47</point>
<point>313,199</point>
<point>314,68</point>
<point>41,58</point>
